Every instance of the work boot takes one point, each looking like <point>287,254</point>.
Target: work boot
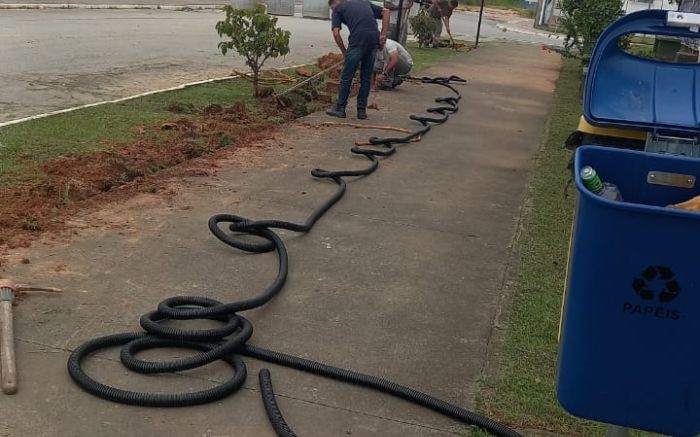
<point>361,114</point>
<point>337,112</point>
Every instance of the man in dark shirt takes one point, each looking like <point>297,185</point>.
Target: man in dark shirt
<point>360,16</point>
<point>441,12</point>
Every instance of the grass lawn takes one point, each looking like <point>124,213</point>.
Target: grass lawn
<point>523,396</point>
<point>100,127</point>
<point>27,144</point>
<point>424,58</point>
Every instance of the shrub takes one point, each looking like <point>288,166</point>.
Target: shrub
<point>254,35</point>
<point>423,26</point>
<point>584,21</point>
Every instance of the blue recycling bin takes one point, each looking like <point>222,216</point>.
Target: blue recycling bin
<point>629,350</point>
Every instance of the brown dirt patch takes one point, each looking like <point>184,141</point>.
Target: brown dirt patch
<point>183,147</point>
<point>328,60</point>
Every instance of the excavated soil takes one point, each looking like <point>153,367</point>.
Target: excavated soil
<point>182,147</point>
<point>185,146</point>
<point>329,60</point>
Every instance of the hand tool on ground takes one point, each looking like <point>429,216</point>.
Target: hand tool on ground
<point>365,126</point>
<point>8,364</point>
<point>267,78</point>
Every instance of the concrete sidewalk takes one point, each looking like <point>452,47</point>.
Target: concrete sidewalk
<point>525,26</point>
<point>403,278</point>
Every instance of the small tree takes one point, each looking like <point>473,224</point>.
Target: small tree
<point>423,27</point>
<point>255,36</point>
<point>584,21</point>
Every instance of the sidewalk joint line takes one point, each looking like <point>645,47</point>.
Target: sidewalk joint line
<point>255,389</point>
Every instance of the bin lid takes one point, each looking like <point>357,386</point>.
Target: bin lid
<point>624,90</point>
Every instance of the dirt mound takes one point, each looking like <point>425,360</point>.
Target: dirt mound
<point>183,126</point>
<point>68,183</point>
<point>213,109</point>
<point>328,60</point>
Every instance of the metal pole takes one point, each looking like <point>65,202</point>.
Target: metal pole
<point>542,6</point>
<point>397,32</point>
<point>478,27</point>
<point>617,431</point>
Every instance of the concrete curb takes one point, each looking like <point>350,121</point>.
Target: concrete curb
<point>505,27</point>
<point>123,99</point>
<point>104,102</point>
<point>107,6</point>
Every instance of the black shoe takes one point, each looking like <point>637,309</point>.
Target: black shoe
<point>337,112</point>
<point>362,114</point>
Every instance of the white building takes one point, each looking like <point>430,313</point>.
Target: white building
<point>548,13</point>
<point>639,5</point>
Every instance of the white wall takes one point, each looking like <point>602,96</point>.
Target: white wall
<point>548,13</point>
<point>637,5</point>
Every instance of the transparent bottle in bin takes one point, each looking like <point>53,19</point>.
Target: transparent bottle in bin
<point>594,184</point>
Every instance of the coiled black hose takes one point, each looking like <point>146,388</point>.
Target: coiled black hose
<point>229,341</point>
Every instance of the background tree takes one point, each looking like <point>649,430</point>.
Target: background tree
<point>423,27</point>
<point>584,21</point>
<point>254,35</point>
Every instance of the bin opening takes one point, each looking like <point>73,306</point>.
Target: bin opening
<point>666,48</point>
<point>650,82</point>
<point>643,178</point>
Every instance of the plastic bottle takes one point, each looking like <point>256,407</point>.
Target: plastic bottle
<point>603,189</point>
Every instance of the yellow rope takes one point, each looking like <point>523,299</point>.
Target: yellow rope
<point>366,143</point>
<point>365,126</point>
<point>370,126</point>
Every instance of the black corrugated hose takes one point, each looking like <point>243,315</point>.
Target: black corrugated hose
<point>273,410</point>
<point>228,342</point>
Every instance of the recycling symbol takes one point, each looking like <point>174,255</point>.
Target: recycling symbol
<point>655,277</point>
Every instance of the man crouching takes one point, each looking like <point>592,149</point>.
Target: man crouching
<point>392,64</point>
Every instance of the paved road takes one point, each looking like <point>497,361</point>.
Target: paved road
<point>55,59</point>
<point>403,278</point>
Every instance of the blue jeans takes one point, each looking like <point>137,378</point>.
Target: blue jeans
<point>357,55</point>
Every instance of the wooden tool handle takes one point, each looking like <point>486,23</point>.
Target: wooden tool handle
<point>8,365</point>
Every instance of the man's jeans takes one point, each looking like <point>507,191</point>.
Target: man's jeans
<point>354,56</point>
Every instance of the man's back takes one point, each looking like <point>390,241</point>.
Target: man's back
<point>440,8</point>
<point>360,16</point>
<point>392,46</point>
